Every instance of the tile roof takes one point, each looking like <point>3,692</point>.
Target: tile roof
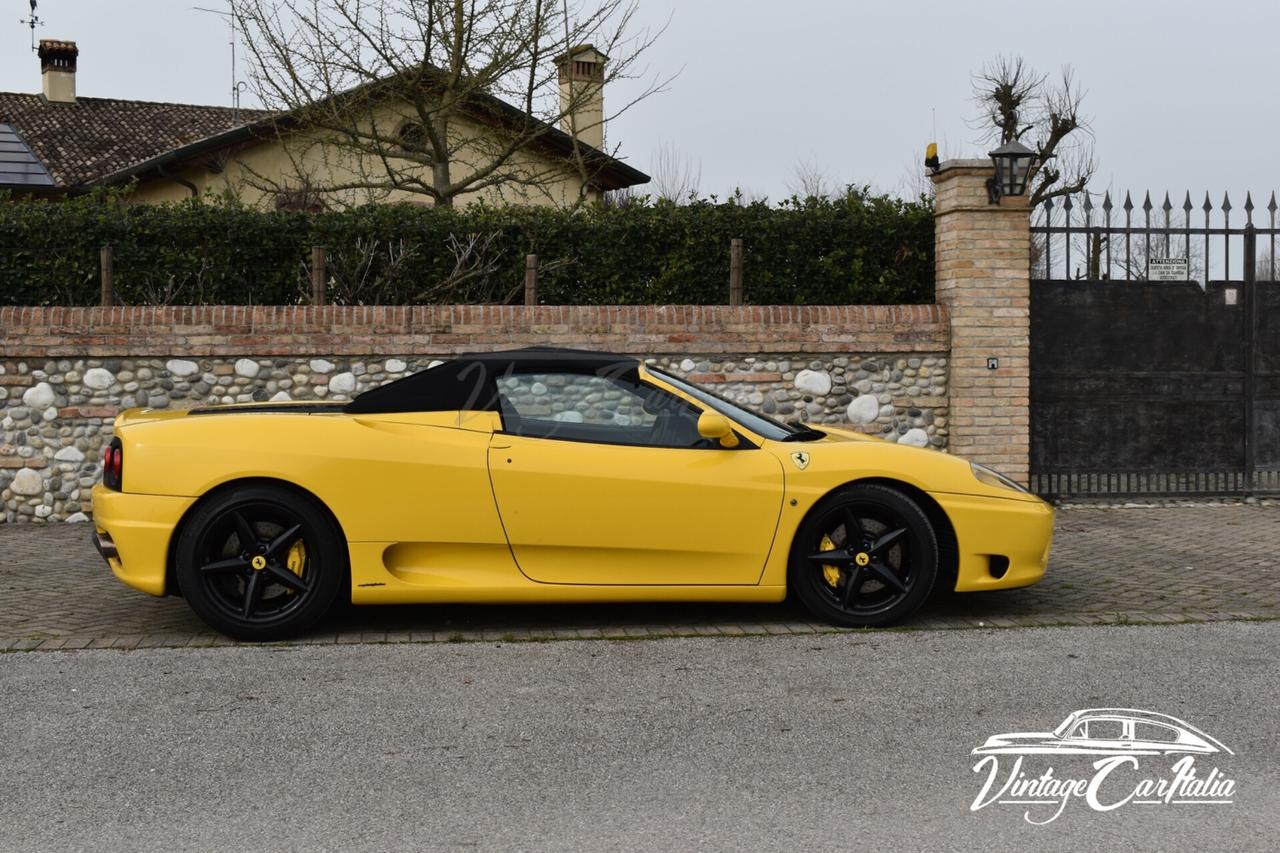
<point>608,172</point>
<point>82,142</point>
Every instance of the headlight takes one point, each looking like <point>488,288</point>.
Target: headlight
<point>995,478</point>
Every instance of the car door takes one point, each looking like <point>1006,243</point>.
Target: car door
<point>604,480</point>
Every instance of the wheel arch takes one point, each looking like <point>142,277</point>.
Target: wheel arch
<point>943,529</point>
<point>170,580</point>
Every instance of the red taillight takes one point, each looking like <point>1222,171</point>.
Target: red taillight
<point>113,466</point>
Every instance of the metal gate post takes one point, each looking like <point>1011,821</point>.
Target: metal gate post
<point>1250,336</point>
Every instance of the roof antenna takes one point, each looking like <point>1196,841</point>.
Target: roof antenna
<point>236,86</point>
<point>33,22</point>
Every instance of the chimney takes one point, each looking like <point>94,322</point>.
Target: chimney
<point>58,70</point>
<point>582,94</point>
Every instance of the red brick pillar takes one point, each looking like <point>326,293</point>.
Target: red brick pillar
<point>983,262</point>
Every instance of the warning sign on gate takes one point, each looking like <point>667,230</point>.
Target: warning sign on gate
<point>1168,269</point>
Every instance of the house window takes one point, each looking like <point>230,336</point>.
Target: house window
<point>412,138</point>
<point>301,199</point>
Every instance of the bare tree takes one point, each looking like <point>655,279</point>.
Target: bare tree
<point>625,197</point>
<point>1265,267</point>
<point>1021,104</point>
<point>439,98</point>
<point>809,181</point>
<point>675,177</point>
<point>915,182</point>
<point>366,272</point>
<point>1108,256</point>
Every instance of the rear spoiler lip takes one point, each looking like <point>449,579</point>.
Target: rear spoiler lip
<point>270,408</point>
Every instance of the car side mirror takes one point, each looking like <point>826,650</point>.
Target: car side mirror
<point>717,426</point>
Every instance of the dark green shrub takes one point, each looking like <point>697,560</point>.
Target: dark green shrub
<point>856,248</point>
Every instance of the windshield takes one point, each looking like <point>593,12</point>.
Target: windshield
<point>761,425</point>
<point>1061,731</point>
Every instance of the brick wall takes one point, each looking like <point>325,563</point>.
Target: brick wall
<point>441,330</point>
<point>66,372</point>
<point>983,261</point>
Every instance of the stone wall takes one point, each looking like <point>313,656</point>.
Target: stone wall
<point>896,396</point>
<point>66,372</point>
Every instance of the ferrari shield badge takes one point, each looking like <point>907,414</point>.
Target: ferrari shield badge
<point>801,459</point>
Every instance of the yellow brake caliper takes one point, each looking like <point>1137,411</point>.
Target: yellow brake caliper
<point>296,560</point>
<point>831,574</point>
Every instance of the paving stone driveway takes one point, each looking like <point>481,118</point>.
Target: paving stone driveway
<point>1110,565</point>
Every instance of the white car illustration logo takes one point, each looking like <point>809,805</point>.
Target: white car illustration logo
<point>1108,731</point>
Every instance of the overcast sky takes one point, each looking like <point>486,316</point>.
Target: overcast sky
<point>1182,95</point>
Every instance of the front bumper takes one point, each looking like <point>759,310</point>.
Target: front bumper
<point>132,534</point>
<point>990,531</point>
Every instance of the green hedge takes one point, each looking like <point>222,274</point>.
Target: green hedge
<point>857,248</point>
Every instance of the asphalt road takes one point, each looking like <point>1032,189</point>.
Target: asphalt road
<point>856,741</point>
<point>1109,565</point>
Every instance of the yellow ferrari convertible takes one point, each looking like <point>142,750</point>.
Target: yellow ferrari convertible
<point>544,475</point>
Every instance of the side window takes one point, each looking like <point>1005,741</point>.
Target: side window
<point>1100,730</point>
<point>593,408</point>
<point>1154,732</point>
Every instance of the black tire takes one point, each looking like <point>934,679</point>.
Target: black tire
<point>274,586</point>
<point>880,577</point>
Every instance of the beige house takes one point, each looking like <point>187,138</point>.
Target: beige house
<point>54,144</point>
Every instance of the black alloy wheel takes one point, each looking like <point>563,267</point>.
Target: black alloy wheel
<point>866,556</point>
<point>259,563</point>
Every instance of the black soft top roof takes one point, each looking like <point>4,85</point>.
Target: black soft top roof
<point>468,382</point>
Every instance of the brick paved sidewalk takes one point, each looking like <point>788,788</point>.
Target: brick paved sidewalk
<point>1110,565</point>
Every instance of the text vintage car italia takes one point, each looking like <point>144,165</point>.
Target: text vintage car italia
<point>544,475</point>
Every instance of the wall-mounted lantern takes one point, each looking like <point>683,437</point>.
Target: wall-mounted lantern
<point>1013,162</point>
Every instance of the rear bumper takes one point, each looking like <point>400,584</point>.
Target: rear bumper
<point>132,533</point>
<point>990,531</point>
<point>105,546</point>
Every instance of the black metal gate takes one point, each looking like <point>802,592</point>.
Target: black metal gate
<point>1142,387</point>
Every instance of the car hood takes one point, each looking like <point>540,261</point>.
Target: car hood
<point>996,742</point>
<point>842,455</point>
